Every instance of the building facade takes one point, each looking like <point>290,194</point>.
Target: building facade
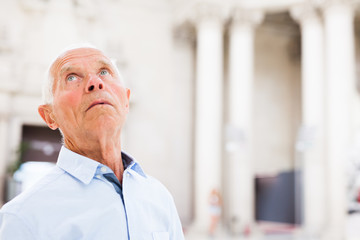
<point>221,92</point>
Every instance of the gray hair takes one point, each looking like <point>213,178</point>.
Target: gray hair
<point>48,84</point>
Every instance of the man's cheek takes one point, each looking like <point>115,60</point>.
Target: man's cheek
<point>70,99</point>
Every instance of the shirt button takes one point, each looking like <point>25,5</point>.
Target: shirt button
<point>103,169</point>
<point>98,176</point>
<point>127,174</point>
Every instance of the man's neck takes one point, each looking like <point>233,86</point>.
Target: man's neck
<point>111,157</point>
<point>107,151</point>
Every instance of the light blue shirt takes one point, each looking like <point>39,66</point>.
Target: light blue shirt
<point>82,199</point>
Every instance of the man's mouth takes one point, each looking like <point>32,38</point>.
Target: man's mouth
<point>98,102</point>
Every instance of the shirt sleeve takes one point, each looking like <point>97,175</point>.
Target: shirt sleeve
<point>13,228</point>
<point>176,231</point>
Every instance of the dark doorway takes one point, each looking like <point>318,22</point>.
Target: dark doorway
<point>278,198</point>
<point>39,144</point>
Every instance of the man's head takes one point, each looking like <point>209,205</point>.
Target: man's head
<point>85,97</point>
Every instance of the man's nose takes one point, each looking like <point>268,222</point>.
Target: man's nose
<point>94,83</point>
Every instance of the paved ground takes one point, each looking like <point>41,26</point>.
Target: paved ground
<point>352,233</point>
<point>223,235</point>
<point>194,236</point>
<point>353,226</point>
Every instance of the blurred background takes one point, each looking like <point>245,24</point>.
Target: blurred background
<point>257,101</point>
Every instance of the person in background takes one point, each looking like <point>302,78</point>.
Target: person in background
<point>215,203</point>
<point>96,191</point>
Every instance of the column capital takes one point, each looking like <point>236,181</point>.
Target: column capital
<point>200,11</point>
<point>332,8</point>
<point>209,11</point>
<point>246,16</point>
<point>303,12</point>
<point>326,4</point>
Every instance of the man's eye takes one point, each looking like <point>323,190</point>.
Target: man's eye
<point>104,72</point>
<point>71,78</point>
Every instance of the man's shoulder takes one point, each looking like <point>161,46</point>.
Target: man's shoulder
<point>156,185</point>
<point>35,195</point>
<point>156,182</point>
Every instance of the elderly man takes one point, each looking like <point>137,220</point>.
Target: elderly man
<point>96,191</point>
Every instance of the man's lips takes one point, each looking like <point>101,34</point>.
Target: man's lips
<point>98,102</point>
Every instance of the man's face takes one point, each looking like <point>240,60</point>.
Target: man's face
<point>88,95</point>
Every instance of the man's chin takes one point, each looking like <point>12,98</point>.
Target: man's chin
<point>104,123</point>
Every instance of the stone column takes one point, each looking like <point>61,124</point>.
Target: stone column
<point>340,79</point>
<point>313,119</point>
<point>240,177</point>
<point>209,111</point>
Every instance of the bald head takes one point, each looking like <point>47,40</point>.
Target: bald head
<point>56,69</point>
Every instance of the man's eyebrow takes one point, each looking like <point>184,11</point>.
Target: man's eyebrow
<point>105,63</point>
<point>66,69</point>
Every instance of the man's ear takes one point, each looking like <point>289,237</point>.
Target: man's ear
<point>128,98</point>
<point>46,113</point>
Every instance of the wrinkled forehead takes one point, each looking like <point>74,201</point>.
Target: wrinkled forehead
<point>73,57</point>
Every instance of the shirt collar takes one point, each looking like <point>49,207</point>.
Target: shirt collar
<point>84,168</point>
<point>131,163</point>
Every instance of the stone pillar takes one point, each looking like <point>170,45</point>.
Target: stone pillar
<point>240,176</point>
<point>313,119</point>
<point>209,111</point>
<point>340,79</point>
